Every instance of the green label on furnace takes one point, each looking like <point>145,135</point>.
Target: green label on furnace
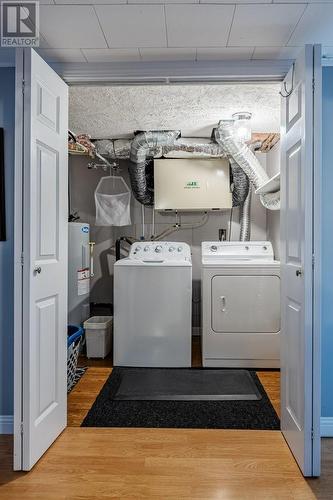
<point>192,185</point>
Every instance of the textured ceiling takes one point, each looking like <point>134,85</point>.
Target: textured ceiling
<point>113,112</point>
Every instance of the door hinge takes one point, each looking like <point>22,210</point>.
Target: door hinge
<point>313,261</point>
<point>23,86</point>
<point>313,84</point>
<point>312,434</point>
<point>22,259</point>
<point>21,428</point>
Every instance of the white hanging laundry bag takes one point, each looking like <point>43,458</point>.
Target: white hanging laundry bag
<point>113,200</point>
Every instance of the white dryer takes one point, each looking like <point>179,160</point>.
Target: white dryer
<point>240,305</point>
<point>152,306</point>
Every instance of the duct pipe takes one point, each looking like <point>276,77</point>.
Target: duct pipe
<point>245,218</point>
<point>143,147</point>
<point>240,184</point>
<point>158,144</point>
<point>244,157</point>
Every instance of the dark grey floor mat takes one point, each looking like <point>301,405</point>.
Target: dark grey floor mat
<point>177,384</point>
<point>108,412</point>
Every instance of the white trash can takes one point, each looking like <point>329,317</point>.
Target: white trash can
<point>98,336</point>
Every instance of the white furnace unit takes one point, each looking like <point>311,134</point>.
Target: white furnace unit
<point>240,305</point>
<point>152,306</point>
<point>192,184</point>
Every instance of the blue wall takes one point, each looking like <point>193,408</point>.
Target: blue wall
<point>327,252</point>
<point>7,121</point>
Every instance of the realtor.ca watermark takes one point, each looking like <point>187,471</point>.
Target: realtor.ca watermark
<point>19,24</point>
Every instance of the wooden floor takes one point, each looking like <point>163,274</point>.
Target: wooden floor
<point>160,463</point>
<point>84,394</point>
<point>88,463</point>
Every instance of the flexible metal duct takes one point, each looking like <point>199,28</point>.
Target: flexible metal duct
<point>240,184</point>
<point>245,218</point>
<point>156,144</point>
<point>115,149</point>
<point>194,149</point>
<point>244,157</point>
<point>143,147</point>
<point>121,148</point>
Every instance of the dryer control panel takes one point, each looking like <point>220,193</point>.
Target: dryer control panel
<point>160,251</point>
<point>221,251</point>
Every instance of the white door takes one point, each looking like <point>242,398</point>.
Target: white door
<point>43,110</point>
<point>300,166</point>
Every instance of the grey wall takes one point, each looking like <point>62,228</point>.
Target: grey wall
<point>7,115</point>
<point>83,183</point>
<point>327,245</point>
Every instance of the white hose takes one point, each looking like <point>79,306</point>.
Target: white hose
<point>244,157</point>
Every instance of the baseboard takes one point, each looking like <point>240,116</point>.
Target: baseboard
<point>326,426</point>
<point>6,424</point>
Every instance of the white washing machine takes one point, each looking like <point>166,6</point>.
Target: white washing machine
<point>240,305</point>
<point>152,306</point>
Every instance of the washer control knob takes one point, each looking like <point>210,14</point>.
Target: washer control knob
<point>137,249</point>
<point>158,249</point>
<point>179,249</point>
<point>213,248</point>
<point>171,249</point>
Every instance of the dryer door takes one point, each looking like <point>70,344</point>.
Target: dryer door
<point>245,304</point>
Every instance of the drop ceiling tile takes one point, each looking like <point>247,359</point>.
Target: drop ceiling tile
<point>71,26</point>
<point>225,54</point>
<point>91,2</point>
<point>127,26</point>
<point>168,54</point>
<point>111,55</point>
<point>62,55</point>
<point>301,1</point>
<point>236,1</point>
<point>161,1</point>
<point>264,25</point>
<point>276,52</point>
<point>316,26</point>
<point>203,25</point>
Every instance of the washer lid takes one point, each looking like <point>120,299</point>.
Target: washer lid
<point>221,252</point>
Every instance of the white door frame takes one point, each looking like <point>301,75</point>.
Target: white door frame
<point>76,75</point>
<point>18,255</point>
<point>317,253</point>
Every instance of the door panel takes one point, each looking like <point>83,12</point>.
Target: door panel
<point>45,215</point>
<point>245,304</point>
<point>46,338</point>
<point>298,165</point>
<point>47,199</point>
